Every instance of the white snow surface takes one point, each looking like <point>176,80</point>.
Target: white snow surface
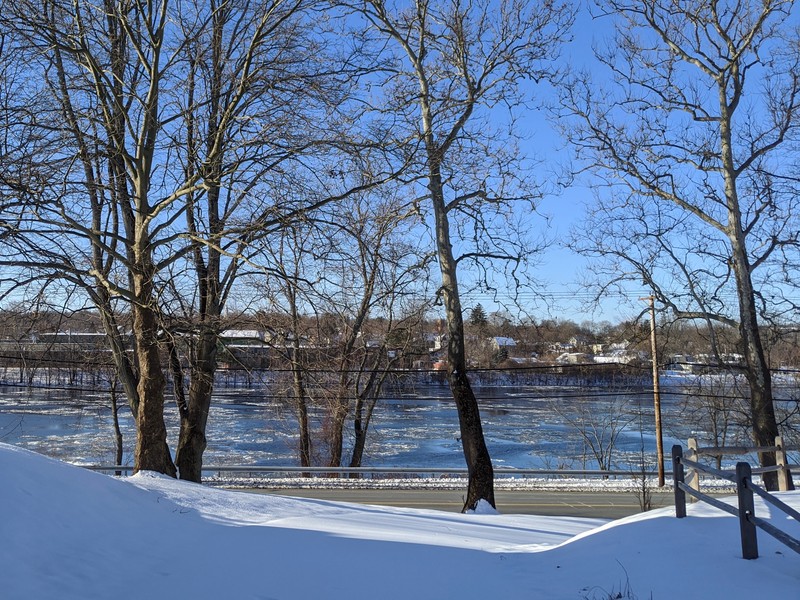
<point>69,533</point>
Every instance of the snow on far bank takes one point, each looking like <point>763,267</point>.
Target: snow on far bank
<point>69,533</point>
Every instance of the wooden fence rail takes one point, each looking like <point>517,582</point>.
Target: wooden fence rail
<point>782,467</point>
<point>745,489</point>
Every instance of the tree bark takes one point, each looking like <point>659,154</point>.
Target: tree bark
<point>366,399</point>
<point>479,464</point>
<point>152,452</point>
<point>301,405</point>
<point>117,430</point>
<point>192,440</point>
<point>759,379</point>
<point>338,415</point>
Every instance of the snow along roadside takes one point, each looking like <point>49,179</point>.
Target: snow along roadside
<point>622,485</point>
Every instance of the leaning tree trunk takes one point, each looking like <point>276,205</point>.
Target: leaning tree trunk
<point>366,400</point>
<point>762,408</point>
<point>362,415</point>
<point>119,353</point>
<point>479,463</point>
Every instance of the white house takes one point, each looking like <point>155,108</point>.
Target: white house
<point>503,342</point>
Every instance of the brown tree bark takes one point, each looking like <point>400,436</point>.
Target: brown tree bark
<point>476,454</point>
<point>151,452</point>
<point>192,440</point>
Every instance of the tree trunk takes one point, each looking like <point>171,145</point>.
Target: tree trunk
<point>124,370</point>
<point>362,414</point>
<point>191,445</point>
<point>476,454</point>
<point>479,464</point>
<point>765,426</point>
<point>360,438</point>
<point>338,415</point>
<point>152,452</point>
<point>117,430</point>
<point>366,400</point>
<point>301,407</point>
<point>192,439</point>
<point>759,379</point>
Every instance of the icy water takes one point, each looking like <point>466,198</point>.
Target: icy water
<point>525,426</point>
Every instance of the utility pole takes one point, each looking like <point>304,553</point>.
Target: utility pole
<point>656,391</point>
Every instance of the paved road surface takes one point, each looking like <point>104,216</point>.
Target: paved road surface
<point>602,505</point>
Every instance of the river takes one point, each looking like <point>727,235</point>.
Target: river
<point>552,426</point>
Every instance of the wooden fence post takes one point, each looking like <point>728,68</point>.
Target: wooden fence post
<point>694,474</point>
<point>780,460</point>
<point>746,509</point>
<point>677,474</point>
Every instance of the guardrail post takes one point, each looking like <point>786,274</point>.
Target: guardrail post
<point>780,460</point>
<point>677,474</point>
<point>746,509</point>
<point>694,474</point>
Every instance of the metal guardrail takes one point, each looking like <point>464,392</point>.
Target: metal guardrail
<point>387,471</point>
<point>745,488</point>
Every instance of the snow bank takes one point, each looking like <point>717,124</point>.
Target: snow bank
<point>72,534</point>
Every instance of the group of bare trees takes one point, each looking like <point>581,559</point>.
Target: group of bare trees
<point>161,140</point>
<point>160,160</point>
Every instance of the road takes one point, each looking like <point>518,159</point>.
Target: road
<point>598,504</point>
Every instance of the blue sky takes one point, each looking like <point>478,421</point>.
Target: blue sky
<point>560,270</point>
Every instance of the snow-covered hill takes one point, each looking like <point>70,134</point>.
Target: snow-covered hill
<point>68,533</point>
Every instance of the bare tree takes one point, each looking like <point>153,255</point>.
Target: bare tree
<point>286,283</point>
<point>353,269</point>
<point>599,429</point>
<point>369,270</point>
<point>254,78</point>
<point>396,335</point>
<point>157,115</point>
<point>102,68</point>
<point>381,269</point>
<point>718,412</point>
<point>692,141</point>
<point>449,65</point>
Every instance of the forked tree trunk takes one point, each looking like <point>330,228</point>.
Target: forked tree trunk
<point>362,415</point>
